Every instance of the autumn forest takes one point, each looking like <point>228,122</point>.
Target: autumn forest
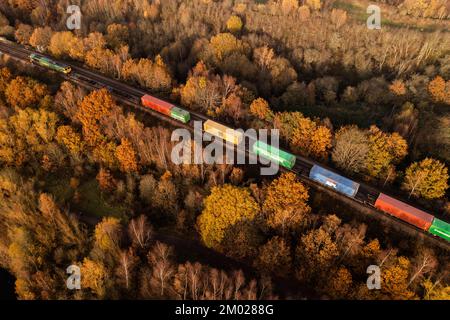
<point>86,180</point>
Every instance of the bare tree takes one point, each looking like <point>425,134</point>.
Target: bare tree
<point>160,258</point>
<point>140,231</point>
<point>425,262</point>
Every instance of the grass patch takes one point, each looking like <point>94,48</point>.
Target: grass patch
<point>92,202</point>
<point>357,11</point>
<point>58,184</point>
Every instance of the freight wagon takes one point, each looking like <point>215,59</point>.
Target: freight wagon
<point>166,108</point>
<point>333,180</point>
<point>267,151</point>
<point>49,63</point>
<point>440,228</point>
<point>223,132</point>
<point>404,211</point>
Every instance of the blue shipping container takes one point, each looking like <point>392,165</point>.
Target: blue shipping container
<point>333,180</point>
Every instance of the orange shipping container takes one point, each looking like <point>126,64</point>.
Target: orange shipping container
<point>404,211</point>
<point>157,104</point>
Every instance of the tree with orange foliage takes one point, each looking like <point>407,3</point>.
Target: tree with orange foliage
<point>41,37</point>
<point>303,134</point>
<point>95,107</point>
<point>23,92</point>
<point>5,78</point>
<point>275,256</point>
<point>316,251</point>
<point>260,108</point>
<point>439,90</point>
<point>126,156</point>
<point>398,88</point>
<point>105,180</point>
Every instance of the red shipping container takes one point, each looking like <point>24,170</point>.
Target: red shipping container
<point>156,104</point>
<point>404,211</point>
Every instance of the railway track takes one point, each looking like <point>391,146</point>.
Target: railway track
<point>130,96</point>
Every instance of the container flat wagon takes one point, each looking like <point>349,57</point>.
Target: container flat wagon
<point>49,63</point>
<point>223,132</point>
<point>404,211</point>
<point>166,108</point>
<point>440,228</point>
<point>334,180</point>
<point>267,151</point>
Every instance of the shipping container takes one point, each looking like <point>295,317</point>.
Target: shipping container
<point>404,211</point>
<point>157,104</point>
<point>180,114</point>
<point>48,63</point>
<point>333,180</point>
<point>440,228</point>
<point>281,157</point>
<point>223,132</point>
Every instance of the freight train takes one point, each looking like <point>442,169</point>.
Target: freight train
<point>49,63</point>
<point>383,202</point>
<point>319,174</point>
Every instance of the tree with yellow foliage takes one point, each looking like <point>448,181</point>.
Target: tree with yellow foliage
<point>427,178</point>
<point>225,206</point>
<point>234,24</point>
<point>126,156</point>
<point>385,150</point>
<point>316,252</point>
<point>68,137</point>
<point>314,4</point>
<point>435,291</point>
<point>94,276</point>
<point>26,135</point>
<point>107,234</point>
<point>285,204</point>
<point>339,284</point>
<point>395,280</point>
<point>105,154</point>
<point>224,44</point>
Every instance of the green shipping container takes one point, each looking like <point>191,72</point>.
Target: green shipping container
<point>180,114</point>
<point>283,158</point>
<point>440,228</point>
